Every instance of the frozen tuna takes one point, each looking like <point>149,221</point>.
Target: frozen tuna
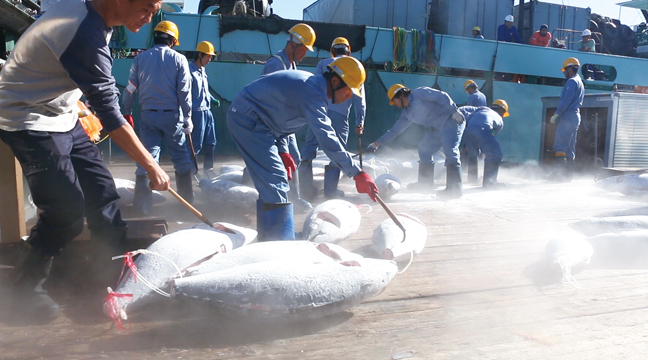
<point>168,257</point>
<point>331,221</point>
<point>275,251</point>
<point>388,185</point>
<point>628,184</point>
<point>230,168</point>
<point>612,224</point>
<point>229,194</point>
<point>388,241</point>
<point>234,176</point>
<point>286,291</point>
<point>126,191</point>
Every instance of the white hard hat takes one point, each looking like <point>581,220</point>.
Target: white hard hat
<point>587,32</point>
<point>509,18</point>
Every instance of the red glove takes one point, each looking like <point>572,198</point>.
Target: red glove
<point>129,120</point>
<point>289,164</point>
<point>365,185</point>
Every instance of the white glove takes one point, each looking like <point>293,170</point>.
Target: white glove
<point>458,117</point>
<point>553,119</point>
<point>187,128</point>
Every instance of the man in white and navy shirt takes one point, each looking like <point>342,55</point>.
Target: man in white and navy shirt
<point>63,55</point>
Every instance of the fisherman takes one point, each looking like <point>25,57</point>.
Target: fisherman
<point>204,131</point>
<point>587,44</point>
<point>68,180</point>
<point>482,124</point>
<point>277,105</point>
<point>541,37</point>
<point>475,97</point>
<point>477,33</point>
<point>507,32</point>
<point>162,77</point>
<point>301,39</point>
<point>339,115</point>
<point>435,110</point>
<point>567,120</point>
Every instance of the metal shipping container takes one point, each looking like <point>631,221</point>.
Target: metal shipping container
<point>613,131</point>
<point>408,14</point>
<point>459,17</point>
<point>556,17</point>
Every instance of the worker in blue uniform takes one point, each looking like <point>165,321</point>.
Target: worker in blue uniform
<point>162,77</point>
<point>301,39</point>
<point>203,135</point>
<point>435,110</point>
<point>339,115</point>
<point>475,97</point>
<point>567,120</point>
<point>277,105</point>
<point>507,32</point>
<point>482,124</point>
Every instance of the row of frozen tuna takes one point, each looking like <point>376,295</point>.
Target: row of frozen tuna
<point>619,240</point>
<point>268,281</point>
<point>628,184</point>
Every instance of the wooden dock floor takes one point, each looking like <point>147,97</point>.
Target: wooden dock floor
<point>479,290</point>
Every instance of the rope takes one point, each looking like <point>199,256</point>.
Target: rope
<point>416,43</point>
<point>400,44</point>
<point>119,37</point>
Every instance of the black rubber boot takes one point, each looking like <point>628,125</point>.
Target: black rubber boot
<point>307,190</point>
<point>331,180</point>
<point>185,187</point>
<point>208,163</point>
<point>143,199</point>
<point>473,171</point>
<point>275,221</point>
<point>294,195</point>
<point>569,169</point>
<point>491,169</point>
<point>425,178</point>
<point>30,301</point>
<point>559,172</point>
<point>454,188</point>
<point>104,244</point>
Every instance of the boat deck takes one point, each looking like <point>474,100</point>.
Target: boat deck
<point>479,290</point>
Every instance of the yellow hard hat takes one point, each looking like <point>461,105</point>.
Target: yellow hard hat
<point>570,62</point>
<point>468,83</point>
<point>351,71</point>
<point>477,28</point>
<point>206,47</point>
<point>169,28</point>
<point>504,105</point>
<point>392,92</point>
<point>340,41</point>
<point>305,34</point>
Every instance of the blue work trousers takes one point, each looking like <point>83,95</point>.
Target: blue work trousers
<point>259,151</point>
<point>68,180</point>
<point>447,138</point>
<point>204,131</point>
<point>157,126</point>
<point>481,139</point>
<point>340,124</point>
<point>566,133</point>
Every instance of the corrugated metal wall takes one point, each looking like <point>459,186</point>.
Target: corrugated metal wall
<point>631,133</point>
<point>459,17</point>
<point>408,14</point>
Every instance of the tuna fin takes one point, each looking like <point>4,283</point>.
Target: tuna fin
<point>328,252</point>
<point>328,217</point>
